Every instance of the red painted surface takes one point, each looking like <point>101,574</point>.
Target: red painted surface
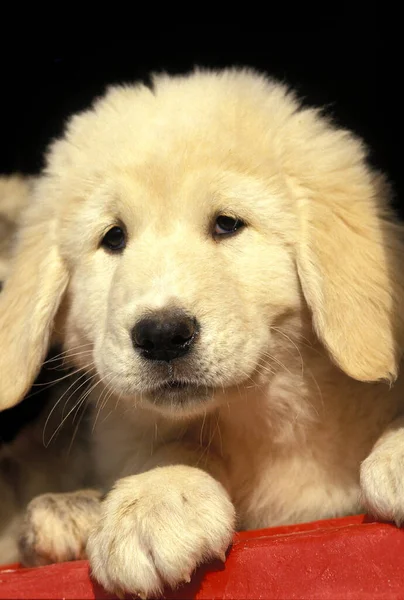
<point>350,558</point>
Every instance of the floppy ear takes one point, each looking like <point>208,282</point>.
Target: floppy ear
<point>28,305</point>
<point>350,263</point>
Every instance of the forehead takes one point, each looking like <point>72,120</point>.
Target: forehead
<point>192,144</point>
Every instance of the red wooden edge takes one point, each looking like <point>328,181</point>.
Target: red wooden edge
<point>348,558</point>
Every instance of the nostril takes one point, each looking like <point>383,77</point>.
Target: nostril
<point>142,335</point>
<point>178,340</point>
<point>185,330</point>
<point>146,344</point>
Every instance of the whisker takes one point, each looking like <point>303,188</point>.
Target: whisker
<point>68,374</point>
<point>277,361</point>
<point>80,401</point>
<point>320,393</point>
<point>83,403</point>
<point>108,393</point>
<point>57,403</point>
<point>202,426</point>
<point>92,375</point>
<point>58,428</point>
<point>65,352</point>
<point>307,342</point>
<point>64,363</point>
<point>267,369</point>
<point>293,344</point>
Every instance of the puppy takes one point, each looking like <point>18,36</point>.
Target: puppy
<point>229,262</point>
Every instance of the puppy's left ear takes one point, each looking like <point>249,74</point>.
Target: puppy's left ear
<point>350,261</point>
<point>28,305</point>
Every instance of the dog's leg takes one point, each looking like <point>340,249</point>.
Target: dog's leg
<point>157,526</point>
<point>56,527</point>
<point>382,475</point>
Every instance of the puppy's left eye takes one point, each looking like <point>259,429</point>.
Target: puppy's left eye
<point>114,239</point>
<point>225,225</point>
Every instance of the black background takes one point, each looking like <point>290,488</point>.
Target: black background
<point>355,71</point>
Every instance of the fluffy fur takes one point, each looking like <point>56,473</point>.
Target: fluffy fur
<point>14,197</point>
<point>294,381</point>
<point>28,467</point>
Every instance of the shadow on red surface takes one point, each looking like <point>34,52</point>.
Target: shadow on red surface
<point>349,558</point>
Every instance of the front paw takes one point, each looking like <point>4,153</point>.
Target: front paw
<point>157,527</point>
<point>382,484</point>
<point>56,527</point>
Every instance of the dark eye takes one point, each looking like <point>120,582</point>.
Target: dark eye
<point>225,225</point>
<point>114,239</point>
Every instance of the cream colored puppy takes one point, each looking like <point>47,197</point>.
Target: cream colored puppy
<point>228,260</point>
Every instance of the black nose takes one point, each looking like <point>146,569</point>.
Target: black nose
<point>164,335</point>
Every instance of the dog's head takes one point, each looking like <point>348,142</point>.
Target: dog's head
<point>176,231</point>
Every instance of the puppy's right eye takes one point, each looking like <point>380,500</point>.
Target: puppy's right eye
<point>114,239</point>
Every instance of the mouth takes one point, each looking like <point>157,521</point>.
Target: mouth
<point>175,385</point>
<point>178,392</point>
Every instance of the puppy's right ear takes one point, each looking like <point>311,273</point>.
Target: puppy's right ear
<point>28,304</point>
